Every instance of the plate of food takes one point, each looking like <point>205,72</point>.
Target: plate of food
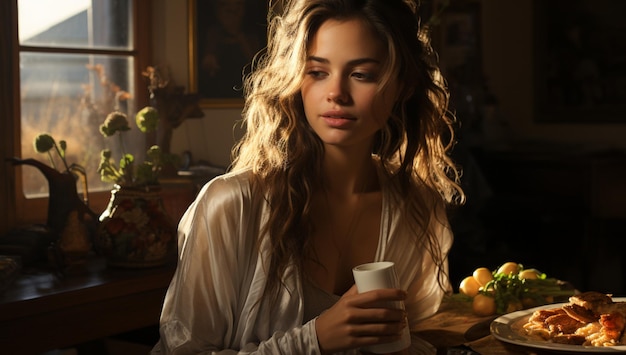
<point>590,322</point>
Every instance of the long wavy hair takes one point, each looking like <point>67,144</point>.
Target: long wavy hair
<point>285,154</point>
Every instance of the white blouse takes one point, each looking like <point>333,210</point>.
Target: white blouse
<point>211,304</point>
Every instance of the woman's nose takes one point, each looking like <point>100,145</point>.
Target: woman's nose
<point>337,91</point>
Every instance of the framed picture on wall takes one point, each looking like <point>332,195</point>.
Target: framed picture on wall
<point>580,61</point>
<point>224,36</point>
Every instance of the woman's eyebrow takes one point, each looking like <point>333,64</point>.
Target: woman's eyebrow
<point>357,61</point>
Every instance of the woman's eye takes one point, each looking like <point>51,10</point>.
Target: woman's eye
<point>316,74</point>
<point>364,76</point>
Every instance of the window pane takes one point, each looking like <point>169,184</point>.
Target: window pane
<point>75,23</point>
<point>69,96</point>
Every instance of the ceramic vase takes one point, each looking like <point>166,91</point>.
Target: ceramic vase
<point>71,222</point>
<point>135,230</point>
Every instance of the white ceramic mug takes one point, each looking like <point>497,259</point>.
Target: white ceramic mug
<point>372,276</point>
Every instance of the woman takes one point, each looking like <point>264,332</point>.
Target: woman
<point>344,161</point>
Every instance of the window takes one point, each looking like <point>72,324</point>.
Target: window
<point>78,61</point>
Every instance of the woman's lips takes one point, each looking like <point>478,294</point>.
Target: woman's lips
<point>337,119</point>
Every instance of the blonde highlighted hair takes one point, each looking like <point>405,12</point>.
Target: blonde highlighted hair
<point>285,154</point>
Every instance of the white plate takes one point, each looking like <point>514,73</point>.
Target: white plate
<point>506,328</point>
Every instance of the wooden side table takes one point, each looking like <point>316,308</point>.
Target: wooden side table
<point>41,312</point>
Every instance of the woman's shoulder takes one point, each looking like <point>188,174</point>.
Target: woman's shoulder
<point>229,180</point>
<point>228,187</point>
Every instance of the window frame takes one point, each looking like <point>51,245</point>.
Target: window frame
<point>18,209</point>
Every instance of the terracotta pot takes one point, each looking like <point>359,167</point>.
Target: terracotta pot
<point>135,231</point>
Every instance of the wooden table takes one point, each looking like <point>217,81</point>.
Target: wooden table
<point>40,311</point>
<point>454,329</point>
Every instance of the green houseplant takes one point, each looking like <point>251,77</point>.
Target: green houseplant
<point>135,230</point>
<point>128,172</point>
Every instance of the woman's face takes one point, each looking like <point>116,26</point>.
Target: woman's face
<point>342,103</point>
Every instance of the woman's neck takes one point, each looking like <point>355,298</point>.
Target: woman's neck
<point>347,174</point>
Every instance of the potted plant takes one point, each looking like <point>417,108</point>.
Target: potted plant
<point>135,230</point>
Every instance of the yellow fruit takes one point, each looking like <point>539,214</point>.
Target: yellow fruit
<point>469,286</point>
<point>482,275</point>
<point>483,305</point>
<point>530,274</point>
<point>508,268</point>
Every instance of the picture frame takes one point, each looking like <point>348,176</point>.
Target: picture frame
<point>579,71</point>
<point>224,36</point>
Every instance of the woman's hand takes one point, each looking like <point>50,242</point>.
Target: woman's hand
<point>359,319</point>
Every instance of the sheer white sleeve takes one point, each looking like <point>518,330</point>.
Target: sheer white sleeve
<point>213,303</point>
